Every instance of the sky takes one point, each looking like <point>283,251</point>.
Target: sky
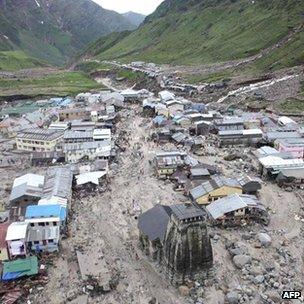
<point>144,7</point>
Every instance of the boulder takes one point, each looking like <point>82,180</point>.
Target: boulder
<point>241,260</point>
<point>259,279</point>
<point>184,291</point>
<point>232,297</point>
<point>264,239</point>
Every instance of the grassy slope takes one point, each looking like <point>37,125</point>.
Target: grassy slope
<point>209,34</point>
<point>55,30</point>
<point>60,84</point>
<point>17,60</point>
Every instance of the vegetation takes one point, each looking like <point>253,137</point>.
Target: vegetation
<point>193,32</point>
<point>291,106</point>
<point>89,67</point>
<point>17,60</point>
<point>55,30</point>
<point>224,76</point>
<point>59,84</point>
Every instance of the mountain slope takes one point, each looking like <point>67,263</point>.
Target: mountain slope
<point>135,18</point>
<point>54,30</point>
<point>207,31</point>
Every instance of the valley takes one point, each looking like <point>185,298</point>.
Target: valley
<point>151,159</point>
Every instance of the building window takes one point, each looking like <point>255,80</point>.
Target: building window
<point>41,224</point>
<point>51,241</point>
<point>36,242</point>
<point>54,223</point>
<point>32,225</point>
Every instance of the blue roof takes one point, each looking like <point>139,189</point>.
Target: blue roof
<point>40,211</point>
<point>159,119</point>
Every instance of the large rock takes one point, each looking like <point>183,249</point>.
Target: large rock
<point>241,260</point>
<point>232,297</point>
<point>264,239</point>
<point>259,279</point>
<point>184,290</point>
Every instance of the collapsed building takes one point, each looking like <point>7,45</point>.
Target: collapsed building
<point>236,209</point>
<point>177,238</point>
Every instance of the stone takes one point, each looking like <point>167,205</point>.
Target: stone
<point>232,297</point>
<point>264,239</point>
<point>153,301</point>
<point>241,260</point>
<point>216,237</point>
<point>184,291</point>
<point>90,287</point>
<point>273,296</point>
<point>259,279</point>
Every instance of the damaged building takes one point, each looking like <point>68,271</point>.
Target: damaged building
<point>177,238</point>
<point>236,209</point>
<point>166,163</point>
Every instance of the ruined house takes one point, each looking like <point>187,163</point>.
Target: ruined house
<point>249,185</point>
<point>177,238</point>
<point>236,209</point>
<point>166,163</point>
<point>291,177</point>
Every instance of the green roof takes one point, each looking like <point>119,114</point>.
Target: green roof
<point>19,268</point>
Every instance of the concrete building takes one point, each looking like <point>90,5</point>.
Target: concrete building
<point>74,114</point>
<point>16,239</point>
<point>240,137</point>
<point>75,152</point>
<point>38,140</point>
<point>294,146</point>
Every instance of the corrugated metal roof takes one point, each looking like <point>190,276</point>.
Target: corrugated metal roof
<point>231,203</point>
<point>19,268</point>
<point>90,177</point>
<point>58,182</point>
<point>40,134</point>
<point>199,172</point>
<point>43,233</point>
<point>45,211</point>
<point>16,231</point>
<point>186,211</point>
<point>72,134</point>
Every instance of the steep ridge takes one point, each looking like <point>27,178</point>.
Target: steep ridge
<point>209,31</point>
<point>135,18</point>
<point>54,30</point>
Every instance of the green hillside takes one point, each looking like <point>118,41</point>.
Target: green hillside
<point>59,83</point>
<point>197,31</point>
<point>17,60</point>
<point>56,30</point>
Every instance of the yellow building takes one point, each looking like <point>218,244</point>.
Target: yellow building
<point>38,139</point>
<point>168,162</point>
<point>216,188</point>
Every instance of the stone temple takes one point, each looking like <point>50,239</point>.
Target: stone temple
<point>176,237</point>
